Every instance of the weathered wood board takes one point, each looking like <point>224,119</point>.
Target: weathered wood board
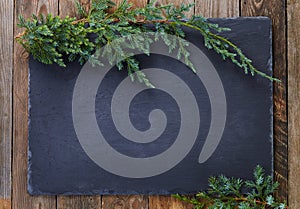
<point>276,10</point>
<point>206,8</point>
<point>220,8</point>
<point>68,7</point>
<point>6,65</point>
<point>20,198</point>
<point>293,101</point>
<point>132,201</point>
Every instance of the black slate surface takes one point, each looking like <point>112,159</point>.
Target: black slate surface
<point>59,164</point>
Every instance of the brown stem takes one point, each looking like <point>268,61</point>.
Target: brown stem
<point>20,35</point>
<point>85,20</point>
<point>240,199</point>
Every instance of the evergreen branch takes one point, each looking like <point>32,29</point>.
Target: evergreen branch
<point>227,192</point>
<point>49,38</point>
<point>237,50</point>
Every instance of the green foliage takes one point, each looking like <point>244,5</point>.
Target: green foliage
<point>229,193</point>
<point>49,39</point>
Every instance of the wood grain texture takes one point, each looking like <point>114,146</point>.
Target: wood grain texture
<point>6,66</point>
<point>5,203</point>
<point>20,198</point>
<point>166,202</point>
<point>125,202</point>
<point>293,8</point>
<point>276,11</point>
<point>68,7</point>
<point>220,8</point>
<point>210,8</point>
<point>79,202</point>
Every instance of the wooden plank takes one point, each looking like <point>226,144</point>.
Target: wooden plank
<point>275,10</point>
<point>20,198</point>
<point>125,202</point>
<point>293,8</point>
<point>5,203</point>
<point>68,7</point>
<point>167,202</point>
<point>201,7</point>
<point>220,8</point>
<point>79,202</point>
<point>6,66</point>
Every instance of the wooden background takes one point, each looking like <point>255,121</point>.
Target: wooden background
<point>285,16</point>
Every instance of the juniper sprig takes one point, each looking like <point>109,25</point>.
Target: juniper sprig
<point>227,192</point>
<point>49,39</point>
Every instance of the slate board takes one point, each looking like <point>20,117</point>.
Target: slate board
<point>58,159</point>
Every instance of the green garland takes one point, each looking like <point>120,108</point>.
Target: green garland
<point>49,38</point>
<point>229,193</point>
